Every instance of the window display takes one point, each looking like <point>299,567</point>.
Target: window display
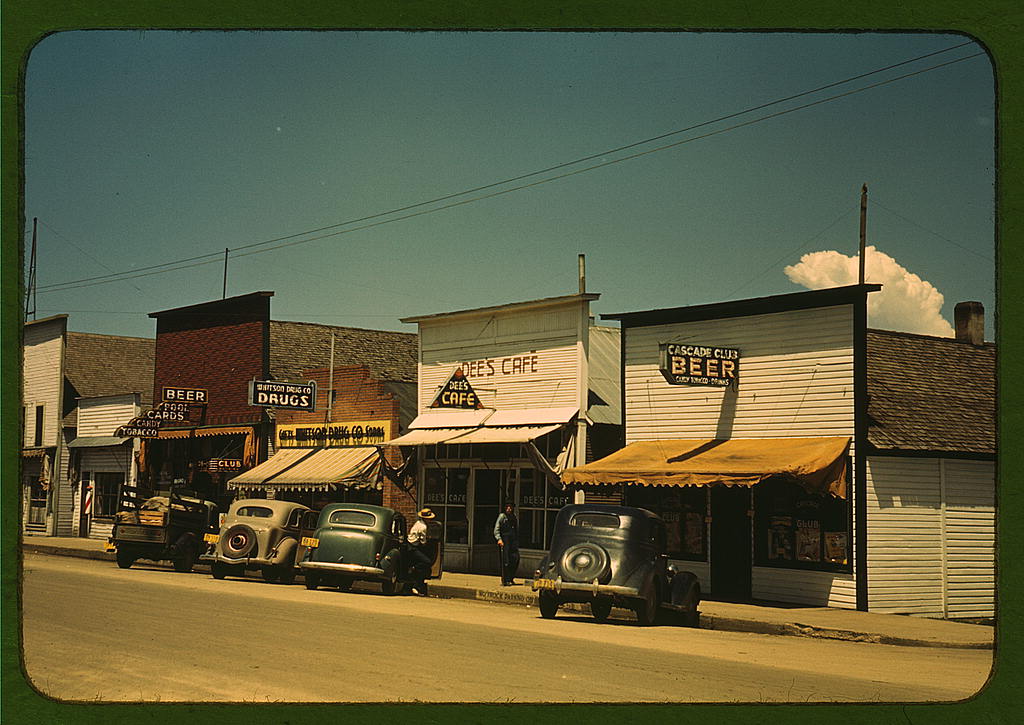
<point>797,529</point>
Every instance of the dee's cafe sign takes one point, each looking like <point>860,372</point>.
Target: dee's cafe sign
<point>699,364</point>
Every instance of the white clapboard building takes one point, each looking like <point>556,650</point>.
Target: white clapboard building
<point>798,456</point>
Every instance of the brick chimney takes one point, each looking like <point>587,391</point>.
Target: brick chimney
<point>969,320</point>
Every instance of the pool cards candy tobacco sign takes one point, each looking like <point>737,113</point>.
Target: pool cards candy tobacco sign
<point>699,364</point>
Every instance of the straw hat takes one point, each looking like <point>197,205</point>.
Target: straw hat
<point>426,514</point>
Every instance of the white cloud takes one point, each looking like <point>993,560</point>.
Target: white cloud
<point>906,302</point>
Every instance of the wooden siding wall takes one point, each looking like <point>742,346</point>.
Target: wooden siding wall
<point>43,378</point>
<point>931,537</point>
<point>104,460</point>
<point>103,416</point>
<point>605,373</point>
<point>796,380</point>
<point>970,535</point>
<point>553,335</point>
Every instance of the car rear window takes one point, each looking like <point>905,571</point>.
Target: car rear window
<point>260,511</point>
<point>595,521</point>
<point>352,518</point>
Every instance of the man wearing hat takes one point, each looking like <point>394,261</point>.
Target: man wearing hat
<point>419,551</point>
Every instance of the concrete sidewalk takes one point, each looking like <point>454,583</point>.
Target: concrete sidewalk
<point>779,619</point>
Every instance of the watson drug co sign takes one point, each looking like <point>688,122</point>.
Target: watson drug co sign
<point>333,435</point>
<point>293,396</point>
<point>699,365</point>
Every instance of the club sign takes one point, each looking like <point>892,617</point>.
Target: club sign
<point>699,364</point>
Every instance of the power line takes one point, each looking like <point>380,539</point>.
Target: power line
<point>933,233</point>
<point>293,239</point>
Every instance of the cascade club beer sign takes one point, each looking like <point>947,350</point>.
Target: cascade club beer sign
<point>457,393</point>
<point>699,364</point>
<point>147,425</point>
<point>293,396</point>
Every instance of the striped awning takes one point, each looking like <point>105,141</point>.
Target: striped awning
<point>202,432</point>
<point>510,434</point>
<point>317,468</point>
<point>284,458</point>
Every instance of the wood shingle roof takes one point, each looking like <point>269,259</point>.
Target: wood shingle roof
<point>930,394</point>
<point>296,347</point>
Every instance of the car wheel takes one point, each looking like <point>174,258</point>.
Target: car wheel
<point>647,608</point>
<point>218,570</point>
<point>601,608</point>
<point>186,559</point>
<point>124,559</point>
<point>270,574</point>
<point>584,562</point>
<point>548,604</point>
<point>344,583</point>
<point>686,595</point>
<point>238,541</point>
<point>312,579</point>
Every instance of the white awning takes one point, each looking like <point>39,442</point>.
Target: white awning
<point>428,436</point>
<point>532,416</point>
<point>508,434</point>
<point>451,419</point>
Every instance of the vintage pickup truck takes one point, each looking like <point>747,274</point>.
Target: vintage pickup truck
<point>167,526</point>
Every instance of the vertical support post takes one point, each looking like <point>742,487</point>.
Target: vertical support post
<point>224,292</point>
<point>863,231</point>
<point>330,383</point>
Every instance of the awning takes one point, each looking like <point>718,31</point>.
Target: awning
<point>202,432</point>
<point>320,468</point>
<point>34,452</point>
<point>427,436</point>
<point>98,441</point>
<point>817,464</point>
<point>510,434</point>
<point>281,460</point>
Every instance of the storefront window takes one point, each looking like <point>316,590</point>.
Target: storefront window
<point>684,511</point>
<point>444,492</point>
<point>799,530</point>
<point>106,489</point>
<point>539,503</point>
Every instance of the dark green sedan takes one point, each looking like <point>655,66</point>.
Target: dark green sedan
<point>357,542</point>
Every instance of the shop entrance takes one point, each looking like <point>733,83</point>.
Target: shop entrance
<point>489,491</point>
<point>730,543</point>
<point>36,493</point>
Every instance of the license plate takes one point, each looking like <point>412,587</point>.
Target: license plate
<point>544,584</point>
<point>211,538</point>
<point>108,547</point>
<point>310,542</point>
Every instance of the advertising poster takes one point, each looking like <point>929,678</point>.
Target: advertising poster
<point>808,541</point>
<point>780,538</point>
<point>835,547</point>
<point>694,534</point>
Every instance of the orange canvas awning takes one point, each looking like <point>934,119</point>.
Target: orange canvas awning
<point>817,464</point>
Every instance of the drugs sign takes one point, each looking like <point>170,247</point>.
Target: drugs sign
<point>273,394</point>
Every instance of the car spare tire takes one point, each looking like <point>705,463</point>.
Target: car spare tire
<point>238,541</point>
<point>584,562</point>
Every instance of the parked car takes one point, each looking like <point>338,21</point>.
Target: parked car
<point>361,542</point>
<point>613,556</point>
<point>166,527</point>
<point>262,534</point>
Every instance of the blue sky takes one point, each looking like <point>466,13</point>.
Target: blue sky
<point>150,147</point>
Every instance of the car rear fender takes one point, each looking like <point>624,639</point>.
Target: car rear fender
<point>285,550</point>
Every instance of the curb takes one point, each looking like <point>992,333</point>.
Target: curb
<point>529,599</point>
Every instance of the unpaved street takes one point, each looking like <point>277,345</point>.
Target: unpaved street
<point>94,632</point>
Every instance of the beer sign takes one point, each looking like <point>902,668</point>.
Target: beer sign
<point>457,394</point>
<point>699,364</point>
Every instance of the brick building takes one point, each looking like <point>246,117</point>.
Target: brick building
<point>217,348</point>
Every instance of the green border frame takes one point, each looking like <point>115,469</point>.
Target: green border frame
<point>996,24</point>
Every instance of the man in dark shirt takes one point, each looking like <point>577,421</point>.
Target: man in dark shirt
<point>506,532</point>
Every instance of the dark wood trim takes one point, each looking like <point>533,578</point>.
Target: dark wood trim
<point>860,426</point>
<point>853,294</point>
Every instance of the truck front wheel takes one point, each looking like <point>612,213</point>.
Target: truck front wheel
<point>125,559</point>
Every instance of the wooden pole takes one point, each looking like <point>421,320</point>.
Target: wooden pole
<point>863,230</point>
<point>224,292</point>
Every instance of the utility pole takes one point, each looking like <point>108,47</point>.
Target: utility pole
<point>863,230</point>
<point>30,290</point>
<point>224,293</point>
<point>330,383</point>
<point>583,273</point>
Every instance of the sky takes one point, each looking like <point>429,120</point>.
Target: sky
<point>333,166</point>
